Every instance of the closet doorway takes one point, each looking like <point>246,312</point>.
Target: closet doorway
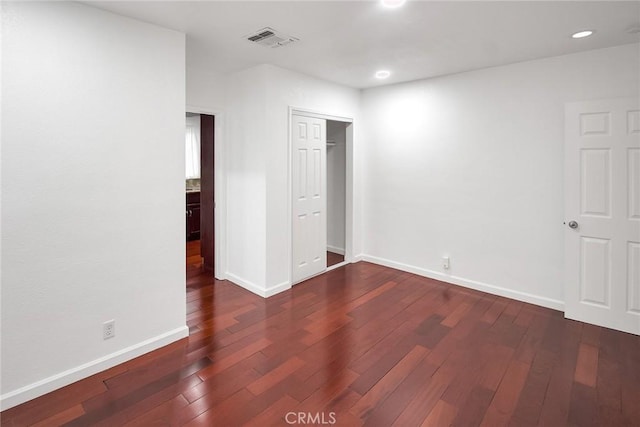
<point>321,196</point>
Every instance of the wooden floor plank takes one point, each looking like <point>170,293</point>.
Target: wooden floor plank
<point>62,417</point>
<point>392,407</point>
<point>442,414</point>
<point>472,410</point>
<point>278,374</point>
<point>165,414</point>
<point>504,402</point>
<point>372,346</point>
<point>426,397</point>
<point>587,365</point>
<point>389,382</point>
<point>533,392</point>
<point>583,407</point>
<point>563,339</point>
<point>274,414</point>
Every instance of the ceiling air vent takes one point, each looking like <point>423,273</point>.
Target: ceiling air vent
<point>270,38</point>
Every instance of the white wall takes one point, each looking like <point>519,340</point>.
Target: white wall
<point>205,89</point>
<point>336,185</point>
<point>92,192</point>
<point>471,165</point>
<point>257,142</point>
<point>290,89</point>
<point>245,165</point>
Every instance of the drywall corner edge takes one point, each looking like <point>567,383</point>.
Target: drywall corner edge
<point>54,382</point>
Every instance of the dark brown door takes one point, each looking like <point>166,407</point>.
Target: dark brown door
<point>193,216</point>
<point>195,221</point>
<point>207,127</point>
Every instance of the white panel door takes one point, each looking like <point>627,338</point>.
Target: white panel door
<point>602,208</point>
<point>309,183</point>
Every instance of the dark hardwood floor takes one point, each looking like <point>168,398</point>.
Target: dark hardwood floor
<point>194,260</point>
<point>372,345</point>
<point>334,258</point>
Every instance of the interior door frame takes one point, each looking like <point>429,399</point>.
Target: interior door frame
<point>220,185</point>
<point>349,196</point>
<point>572,182</point>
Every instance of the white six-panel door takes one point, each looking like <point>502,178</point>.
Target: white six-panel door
<point>309,182</point>
<point>602,208</point>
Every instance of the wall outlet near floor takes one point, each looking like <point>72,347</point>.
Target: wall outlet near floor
<point>445,262</point>
<point>109,329</point>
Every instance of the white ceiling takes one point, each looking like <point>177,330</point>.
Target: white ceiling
<point>346,42</point>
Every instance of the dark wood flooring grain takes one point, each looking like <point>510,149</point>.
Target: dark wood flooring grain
<point>361,345</point>
<point>334,258</point>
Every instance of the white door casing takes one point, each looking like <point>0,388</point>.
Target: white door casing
<point>602,198</point>
<point>308,174</point>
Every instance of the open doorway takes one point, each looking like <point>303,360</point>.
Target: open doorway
<point>199,188</point>
<point>336,191</point>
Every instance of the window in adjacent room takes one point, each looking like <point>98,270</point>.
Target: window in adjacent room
<point>192,147</point>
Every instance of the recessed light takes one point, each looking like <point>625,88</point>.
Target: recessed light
<point>382,74</point>
<point>582,34</point>
<point>393,3</point>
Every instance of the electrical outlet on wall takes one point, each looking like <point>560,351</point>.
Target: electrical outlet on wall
<point>109,329</point>
<point>445,262</point>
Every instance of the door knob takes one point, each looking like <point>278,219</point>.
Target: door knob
<point>573,224</point>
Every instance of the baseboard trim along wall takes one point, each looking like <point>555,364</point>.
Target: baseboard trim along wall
<point>253,288</point>
<point>47,385</point>
<point>454,280</point>
<point>277,289</point>
<point>467,283</point>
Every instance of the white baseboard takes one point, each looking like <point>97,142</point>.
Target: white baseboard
<point>335,250</point>
<point>253,288</point>
<point>468,283</point>
<point>335,266</point>
<point>271,291</point>
<point>47,385</point>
